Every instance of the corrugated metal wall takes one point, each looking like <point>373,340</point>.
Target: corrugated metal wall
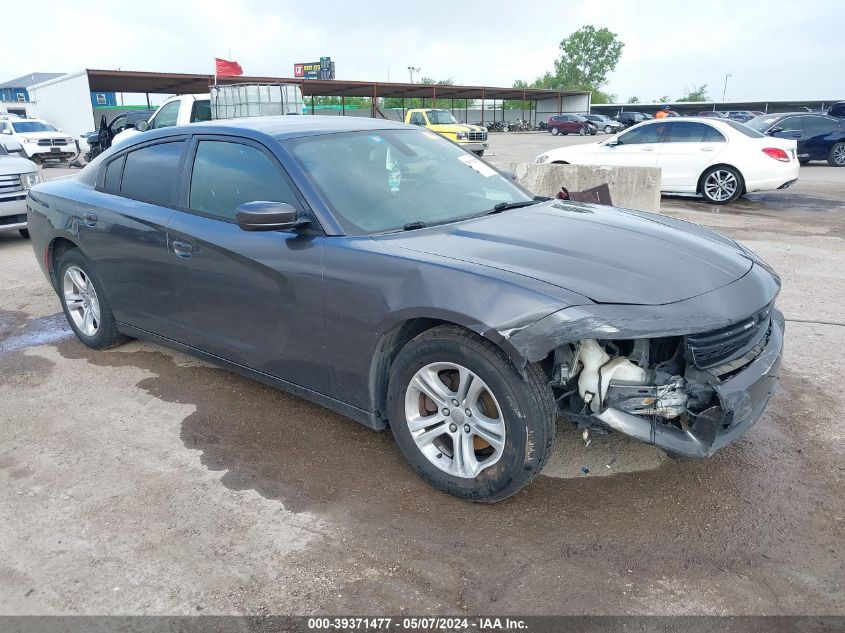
<point>65,102</point>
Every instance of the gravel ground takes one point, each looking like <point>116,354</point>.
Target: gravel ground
<point>142,481</point>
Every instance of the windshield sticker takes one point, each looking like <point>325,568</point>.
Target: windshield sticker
<point>375,139</point>
<point>394,174</point>
<point>473,163</point>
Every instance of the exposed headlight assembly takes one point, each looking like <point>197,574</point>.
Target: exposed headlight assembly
<point>461,136</point>
<point>542,158</point>
<point>31,179</point>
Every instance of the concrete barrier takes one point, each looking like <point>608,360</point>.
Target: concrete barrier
<point>630,187</point>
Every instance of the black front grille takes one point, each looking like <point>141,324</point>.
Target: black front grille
<point>44,142</point>
<point>13,219</point>
<point>720,347</point>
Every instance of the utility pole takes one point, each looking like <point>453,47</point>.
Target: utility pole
<point>412,70</point>
<point>725,89</point>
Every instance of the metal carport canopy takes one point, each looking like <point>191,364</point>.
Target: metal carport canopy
<point>185,83</point>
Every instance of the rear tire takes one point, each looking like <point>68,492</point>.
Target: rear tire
<point>720,184</point>
<point>836,158</point>
<point>24,233</point>
<point>521,409</point>
<point>85,305</point>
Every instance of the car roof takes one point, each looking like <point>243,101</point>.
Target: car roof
<point>280,127</point>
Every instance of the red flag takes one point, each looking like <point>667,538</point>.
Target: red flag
<point>227,69</point>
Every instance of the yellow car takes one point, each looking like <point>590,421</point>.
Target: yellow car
<point>470,137</point>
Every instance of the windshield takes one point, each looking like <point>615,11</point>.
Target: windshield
<point>762,123</point>
<point>440,117</point>
<point>377,181</point>
<point>32,126</point>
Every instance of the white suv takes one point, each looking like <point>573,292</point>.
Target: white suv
<point>40,140</point>
<point>17,175</point>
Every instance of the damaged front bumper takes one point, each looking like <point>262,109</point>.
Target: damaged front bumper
<point>742,398</point>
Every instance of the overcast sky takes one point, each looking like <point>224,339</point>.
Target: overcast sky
<point>773,50</point>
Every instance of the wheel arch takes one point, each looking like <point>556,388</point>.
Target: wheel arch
<point>57,247</point>
<point>714,165</point>
<point>398,335</point>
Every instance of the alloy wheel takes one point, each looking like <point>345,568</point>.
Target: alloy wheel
<point>454,419</point>
<point>81,300</point>
<point>720,186</point>
<point>839,154</point>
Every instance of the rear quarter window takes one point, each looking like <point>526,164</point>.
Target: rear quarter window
<point>150,173</point>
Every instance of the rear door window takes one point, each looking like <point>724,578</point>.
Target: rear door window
<point>640,135</point>
<point>819,126</point>
<point>151,172</point>
<point>227,174</point>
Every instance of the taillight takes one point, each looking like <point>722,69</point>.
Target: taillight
<point>776,153</point>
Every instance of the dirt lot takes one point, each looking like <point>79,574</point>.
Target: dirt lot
<point>140,480</point>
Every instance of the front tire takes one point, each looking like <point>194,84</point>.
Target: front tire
<point>497,437</point>
<point>85,306</point>
<point>479,152</point>
<point>24,233</point>
<point>582,132</point>
<point>721,184</point>
<point>608,129</point>
<point>836,158</point>
<point>555,131</point>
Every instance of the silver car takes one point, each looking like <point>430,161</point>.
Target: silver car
<point>17,175</point>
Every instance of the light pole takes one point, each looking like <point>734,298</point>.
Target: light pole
<point>412,70</point>
<point>725,89</point>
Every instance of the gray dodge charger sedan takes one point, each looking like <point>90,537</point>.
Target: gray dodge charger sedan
<point>385,273</point>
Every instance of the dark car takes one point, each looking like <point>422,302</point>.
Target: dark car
<point>385,273</point>
<point>837,110</point>
<point>743,116</point>
<point>631,118</point>
<point>820,137</point>
<point>100,140</point>
<point>570,124</point>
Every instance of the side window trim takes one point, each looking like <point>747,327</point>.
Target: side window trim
<point>101,170</point>
<point>186,173</point>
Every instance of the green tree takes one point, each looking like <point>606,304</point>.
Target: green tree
<point>587,57</point>
<point>663,99</point>
<point>633,100</point>
<point>519,104</point>
<point>695,93</point>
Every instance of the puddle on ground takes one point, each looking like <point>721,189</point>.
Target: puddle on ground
<point>17,331</point>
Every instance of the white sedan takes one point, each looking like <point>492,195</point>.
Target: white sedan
<point>717,158</point>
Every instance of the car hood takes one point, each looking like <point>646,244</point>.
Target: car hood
<point>12,166</point>
<point>56,134</point>
<point>606,254</point>
<point>454,128</point>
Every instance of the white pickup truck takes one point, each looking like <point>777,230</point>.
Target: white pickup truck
<point>175,111</point>
<point>17,175</point>
<point>223,102</point>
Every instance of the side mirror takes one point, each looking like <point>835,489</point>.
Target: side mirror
<point>509,174</point>
<point>774,131</point>
<point>613,142</point>
<point>268,216</point>
<point>142,126</point>
<point>7,131</point>
<point>12,146</point>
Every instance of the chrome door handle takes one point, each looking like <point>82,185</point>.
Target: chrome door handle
<point>706,149</point>
<point>182,249</point>
<point>646,149</point>
<point>89,219</point>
